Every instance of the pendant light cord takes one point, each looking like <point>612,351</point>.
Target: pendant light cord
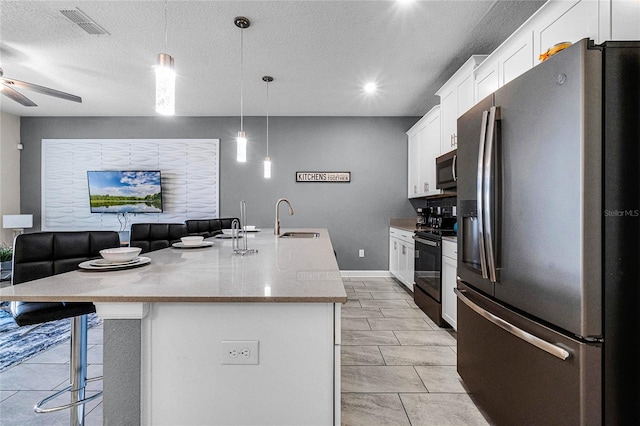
<point>166,26</point>
<point>267,118</point>
<point>241,76</point>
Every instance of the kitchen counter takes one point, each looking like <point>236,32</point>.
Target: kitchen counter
<point>171,329</point>
<point>406,224</point>
<point>302,270</point>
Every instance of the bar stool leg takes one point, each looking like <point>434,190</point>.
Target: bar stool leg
<point>78,368</point>
<point>77,376</point>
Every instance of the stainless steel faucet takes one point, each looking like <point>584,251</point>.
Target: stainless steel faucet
<point>276,230</point>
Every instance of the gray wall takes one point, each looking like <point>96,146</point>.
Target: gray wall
<point>373,149</point>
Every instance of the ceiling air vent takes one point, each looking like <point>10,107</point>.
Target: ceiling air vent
<point>83,21</point>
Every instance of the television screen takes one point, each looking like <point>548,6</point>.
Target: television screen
<point>125,191</point>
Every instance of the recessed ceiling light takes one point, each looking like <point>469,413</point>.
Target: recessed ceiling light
<point>370,87</point>
<point>405,1</point>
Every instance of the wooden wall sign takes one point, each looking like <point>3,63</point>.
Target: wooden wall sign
<point>331,177</point>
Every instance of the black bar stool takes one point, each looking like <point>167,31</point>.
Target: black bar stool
<point>43,254</point>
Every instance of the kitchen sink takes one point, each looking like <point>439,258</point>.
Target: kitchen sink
<point>300,234</point>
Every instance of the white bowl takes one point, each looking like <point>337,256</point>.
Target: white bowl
<point>120,254</point>
<point>227,231</point>
<point>194,240</point>
<point>250,227</point>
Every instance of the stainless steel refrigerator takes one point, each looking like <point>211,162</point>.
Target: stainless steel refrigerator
<point>549,242</point>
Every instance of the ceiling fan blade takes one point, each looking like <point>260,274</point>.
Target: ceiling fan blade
<point>41,89</point>
<point>16,96</point>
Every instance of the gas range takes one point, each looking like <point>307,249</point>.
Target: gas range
<point>427,271</point>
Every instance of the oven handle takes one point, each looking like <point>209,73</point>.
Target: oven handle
<point>519,333</point>
<point>427,242</point>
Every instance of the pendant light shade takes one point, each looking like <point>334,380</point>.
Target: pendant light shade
<point>267,167</point>
<point>165,85</point>
<point>267,160</point>
<point>165,78</point>
<point>241,141</point>
<point>241,147</point>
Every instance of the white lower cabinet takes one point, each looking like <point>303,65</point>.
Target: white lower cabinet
<point>449,272</point>
<point>402,256</point>
<point>394,249</point>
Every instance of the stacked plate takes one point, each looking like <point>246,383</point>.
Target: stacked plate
<point>116,258</point>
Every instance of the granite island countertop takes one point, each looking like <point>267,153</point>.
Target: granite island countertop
<point>285,270</point>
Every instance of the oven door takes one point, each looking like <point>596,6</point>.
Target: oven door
<point>428,264</point>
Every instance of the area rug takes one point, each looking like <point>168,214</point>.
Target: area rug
<point>15,348</point>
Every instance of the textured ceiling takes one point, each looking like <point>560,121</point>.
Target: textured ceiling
<point>319,53</point>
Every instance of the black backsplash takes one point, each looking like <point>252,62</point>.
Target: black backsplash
<point>445,204</point>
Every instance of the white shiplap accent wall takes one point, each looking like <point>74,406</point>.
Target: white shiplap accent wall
<point>190,179</point>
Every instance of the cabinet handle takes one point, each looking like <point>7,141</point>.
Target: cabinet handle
<point>395,245</point>
<point>404,249</point>
<point>426,187</point>
<point>451,139</point>
<point>453,168</point>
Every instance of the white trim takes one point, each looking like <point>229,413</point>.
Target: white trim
<point>125,310</point>
<point>368,274</point>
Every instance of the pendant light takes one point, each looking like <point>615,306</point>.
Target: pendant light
<point>165,78</point>
<point>241,150</point>
<point>267,160</point>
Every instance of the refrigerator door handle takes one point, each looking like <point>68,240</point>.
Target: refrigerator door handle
<point>494,114</point>
<point>550,348</point>
<point>480,194</point>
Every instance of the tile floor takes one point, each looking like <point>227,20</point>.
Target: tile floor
<point>23,385</point>
<point>398,368</point>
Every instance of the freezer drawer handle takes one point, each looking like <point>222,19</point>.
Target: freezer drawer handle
<point>521,334</point>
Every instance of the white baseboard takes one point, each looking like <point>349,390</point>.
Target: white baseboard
<point>367,274</point>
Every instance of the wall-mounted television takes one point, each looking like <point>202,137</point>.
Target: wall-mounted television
<point>125,191</point>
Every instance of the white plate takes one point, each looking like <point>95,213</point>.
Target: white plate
<point>188,246</point>
<point>90,264</point>
<point>105,262</point>
<point>253,230</point>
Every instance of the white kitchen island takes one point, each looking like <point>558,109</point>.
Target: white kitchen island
<point>164,361</point>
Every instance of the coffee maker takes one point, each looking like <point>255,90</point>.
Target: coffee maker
<point>422,219</point>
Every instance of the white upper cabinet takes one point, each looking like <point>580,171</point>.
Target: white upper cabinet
<point>456,97</point>
<point>506,63</point>
<point>423,148</point>
<point>413,160</point>
<point>560,21</point>
<point>555,22</point>
<point>625,15</point>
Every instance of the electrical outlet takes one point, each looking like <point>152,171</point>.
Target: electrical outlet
<point>361,253</point>
<point>239,352</point>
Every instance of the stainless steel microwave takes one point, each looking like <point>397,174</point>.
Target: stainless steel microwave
<point>446,172</point>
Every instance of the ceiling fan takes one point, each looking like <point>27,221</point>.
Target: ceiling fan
<point>7,86</point>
